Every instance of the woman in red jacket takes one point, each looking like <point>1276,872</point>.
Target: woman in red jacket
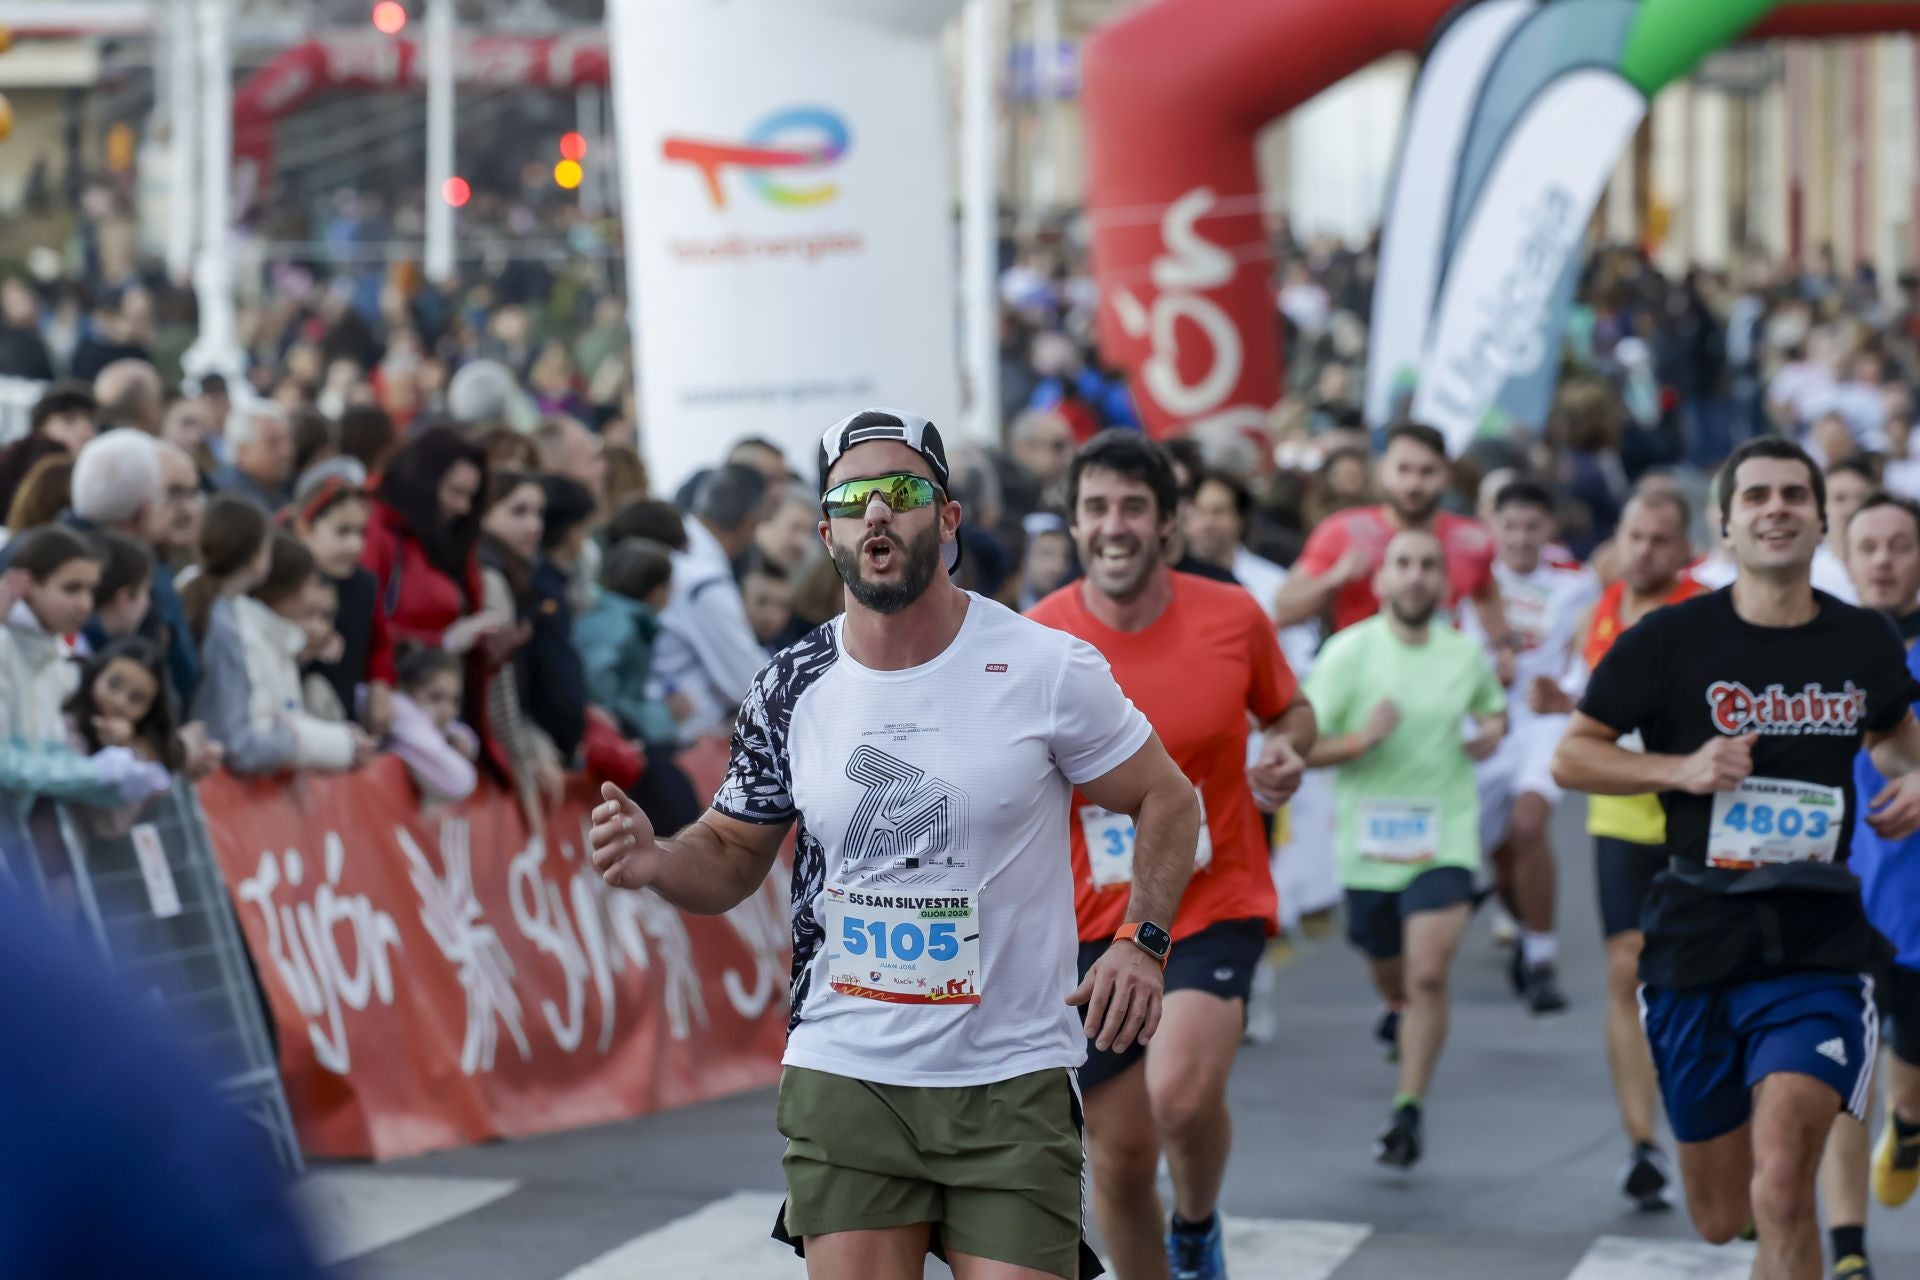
<point>421,540</point>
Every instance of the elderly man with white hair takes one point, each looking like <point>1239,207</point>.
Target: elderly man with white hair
<point>260,454</point>
<point>116,482</point>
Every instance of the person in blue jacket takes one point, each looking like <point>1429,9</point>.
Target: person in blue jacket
<point>117,1157</point>
<point>1883,557</point>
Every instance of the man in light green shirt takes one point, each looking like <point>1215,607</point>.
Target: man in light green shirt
<point>1392,694</point>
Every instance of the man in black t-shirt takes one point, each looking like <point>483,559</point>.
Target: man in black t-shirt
<point>1752,702</point>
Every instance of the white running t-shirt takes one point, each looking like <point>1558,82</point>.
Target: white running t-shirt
<point>941,793</point>
<point>1544,610</point>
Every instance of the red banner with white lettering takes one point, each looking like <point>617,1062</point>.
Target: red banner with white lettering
<point>442,977</point>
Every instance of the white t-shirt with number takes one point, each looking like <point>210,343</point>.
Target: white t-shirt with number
<point>933,926</point>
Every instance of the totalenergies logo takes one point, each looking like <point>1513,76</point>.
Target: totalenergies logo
<point>787,144</point>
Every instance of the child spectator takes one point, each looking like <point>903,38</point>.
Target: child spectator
<point>616,636</point>
<point>318,618</point>
<point>123,594</point>
<point>427,735</point>
<point>249,694</point>
<point>330,513</point>
<point>55,570</point>
<point>123,701</point>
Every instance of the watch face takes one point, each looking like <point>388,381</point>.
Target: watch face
<point>1154,938</point>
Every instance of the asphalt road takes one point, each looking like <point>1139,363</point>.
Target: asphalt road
<point>1523,1147</point>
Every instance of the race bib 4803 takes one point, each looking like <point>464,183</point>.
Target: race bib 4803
<point>905,946</point>
<point>1769,821</point>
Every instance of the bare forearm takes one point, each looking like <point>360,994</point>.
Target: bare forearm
<point>1299,726</point>
<point>1601,768</point>
<point>1331,753</point>
<point>1893,758</point>
<point>1166,834</point>
<point>1302,596</point>
<point>702,873</point>
<point>1491,612</point>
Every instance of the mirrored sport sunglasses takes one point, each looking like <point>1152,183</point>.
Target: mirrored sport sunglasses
<point>902,492</point>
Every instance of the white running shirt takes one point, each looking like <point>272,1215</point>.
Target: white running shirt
<point>1544,610</point>
<point>949,778</point>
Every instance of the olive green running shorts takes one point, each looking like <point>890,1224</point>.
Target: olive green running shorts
<point>996,1168</point>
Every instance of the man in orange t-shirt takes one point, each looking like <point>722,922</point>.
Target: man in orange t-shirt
<point>1198,658</point>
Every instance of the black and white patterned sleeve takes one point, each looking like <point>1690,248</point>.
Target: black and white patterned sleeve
<point>759,784</point>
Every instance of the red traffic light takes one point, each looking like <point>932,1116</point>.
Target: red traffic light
<point>389,17</point>
<point>573,146</point>
<point>456,192</point>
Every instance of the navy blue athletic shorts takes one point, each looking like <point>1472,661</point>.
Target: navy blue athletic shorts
<point>1712,1045</point>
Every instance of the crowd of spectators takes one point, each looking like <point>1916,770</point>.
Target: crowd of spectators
<point>422,528</point>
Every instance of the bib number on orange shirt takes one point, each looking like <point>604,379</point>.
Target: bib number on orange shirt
<point>1109,837</point>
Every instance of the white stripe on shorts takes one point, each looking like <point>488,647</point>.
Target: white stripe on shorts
<point>1862,1100</point>
<point>1086,1169</point>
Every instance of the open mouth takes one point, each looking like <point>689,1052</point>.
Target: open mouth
<point>1116,555</point>
<point>879,554</point>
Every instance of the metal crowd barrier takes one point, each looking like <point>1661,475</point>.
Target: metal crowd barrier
<point>144,885</point>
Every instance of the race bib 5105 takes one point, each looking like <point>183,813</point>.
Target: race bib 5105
<point>905,946</point>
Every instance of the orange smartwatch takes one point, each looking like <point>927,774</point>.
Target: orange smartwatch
<point>1147,936</point>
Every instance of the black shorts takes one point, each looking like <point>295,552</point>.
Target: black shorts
<point>1219,960</point>
<point>1897,992</point>
<point>1374,916</point>
<point>1625,872</point>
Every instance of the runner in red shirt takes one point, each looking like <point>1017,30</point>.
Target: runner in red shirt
<point>1348,548</point>
<point>1198,658</point>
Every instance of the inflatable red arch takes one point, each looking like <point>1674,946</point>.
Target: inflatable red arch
<point>1174,94</point>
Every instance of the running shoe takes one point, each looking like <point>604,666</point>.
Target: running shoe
<point>1543,990</point>
<point>1387,1032</point>
<point>1192,1255</point>
<point>1852,1267</point>
<point>1517,972</point>
<point>1398,1146</point>
<point>1645,1177</point>
<point>1896,1167</point>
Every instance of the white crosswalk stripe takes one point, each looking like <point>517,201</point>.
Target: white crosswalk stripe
<point>1272,1249</point>
<point>726,1240</point>
<point>352,1212</point>
<point>1618,1258</point>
